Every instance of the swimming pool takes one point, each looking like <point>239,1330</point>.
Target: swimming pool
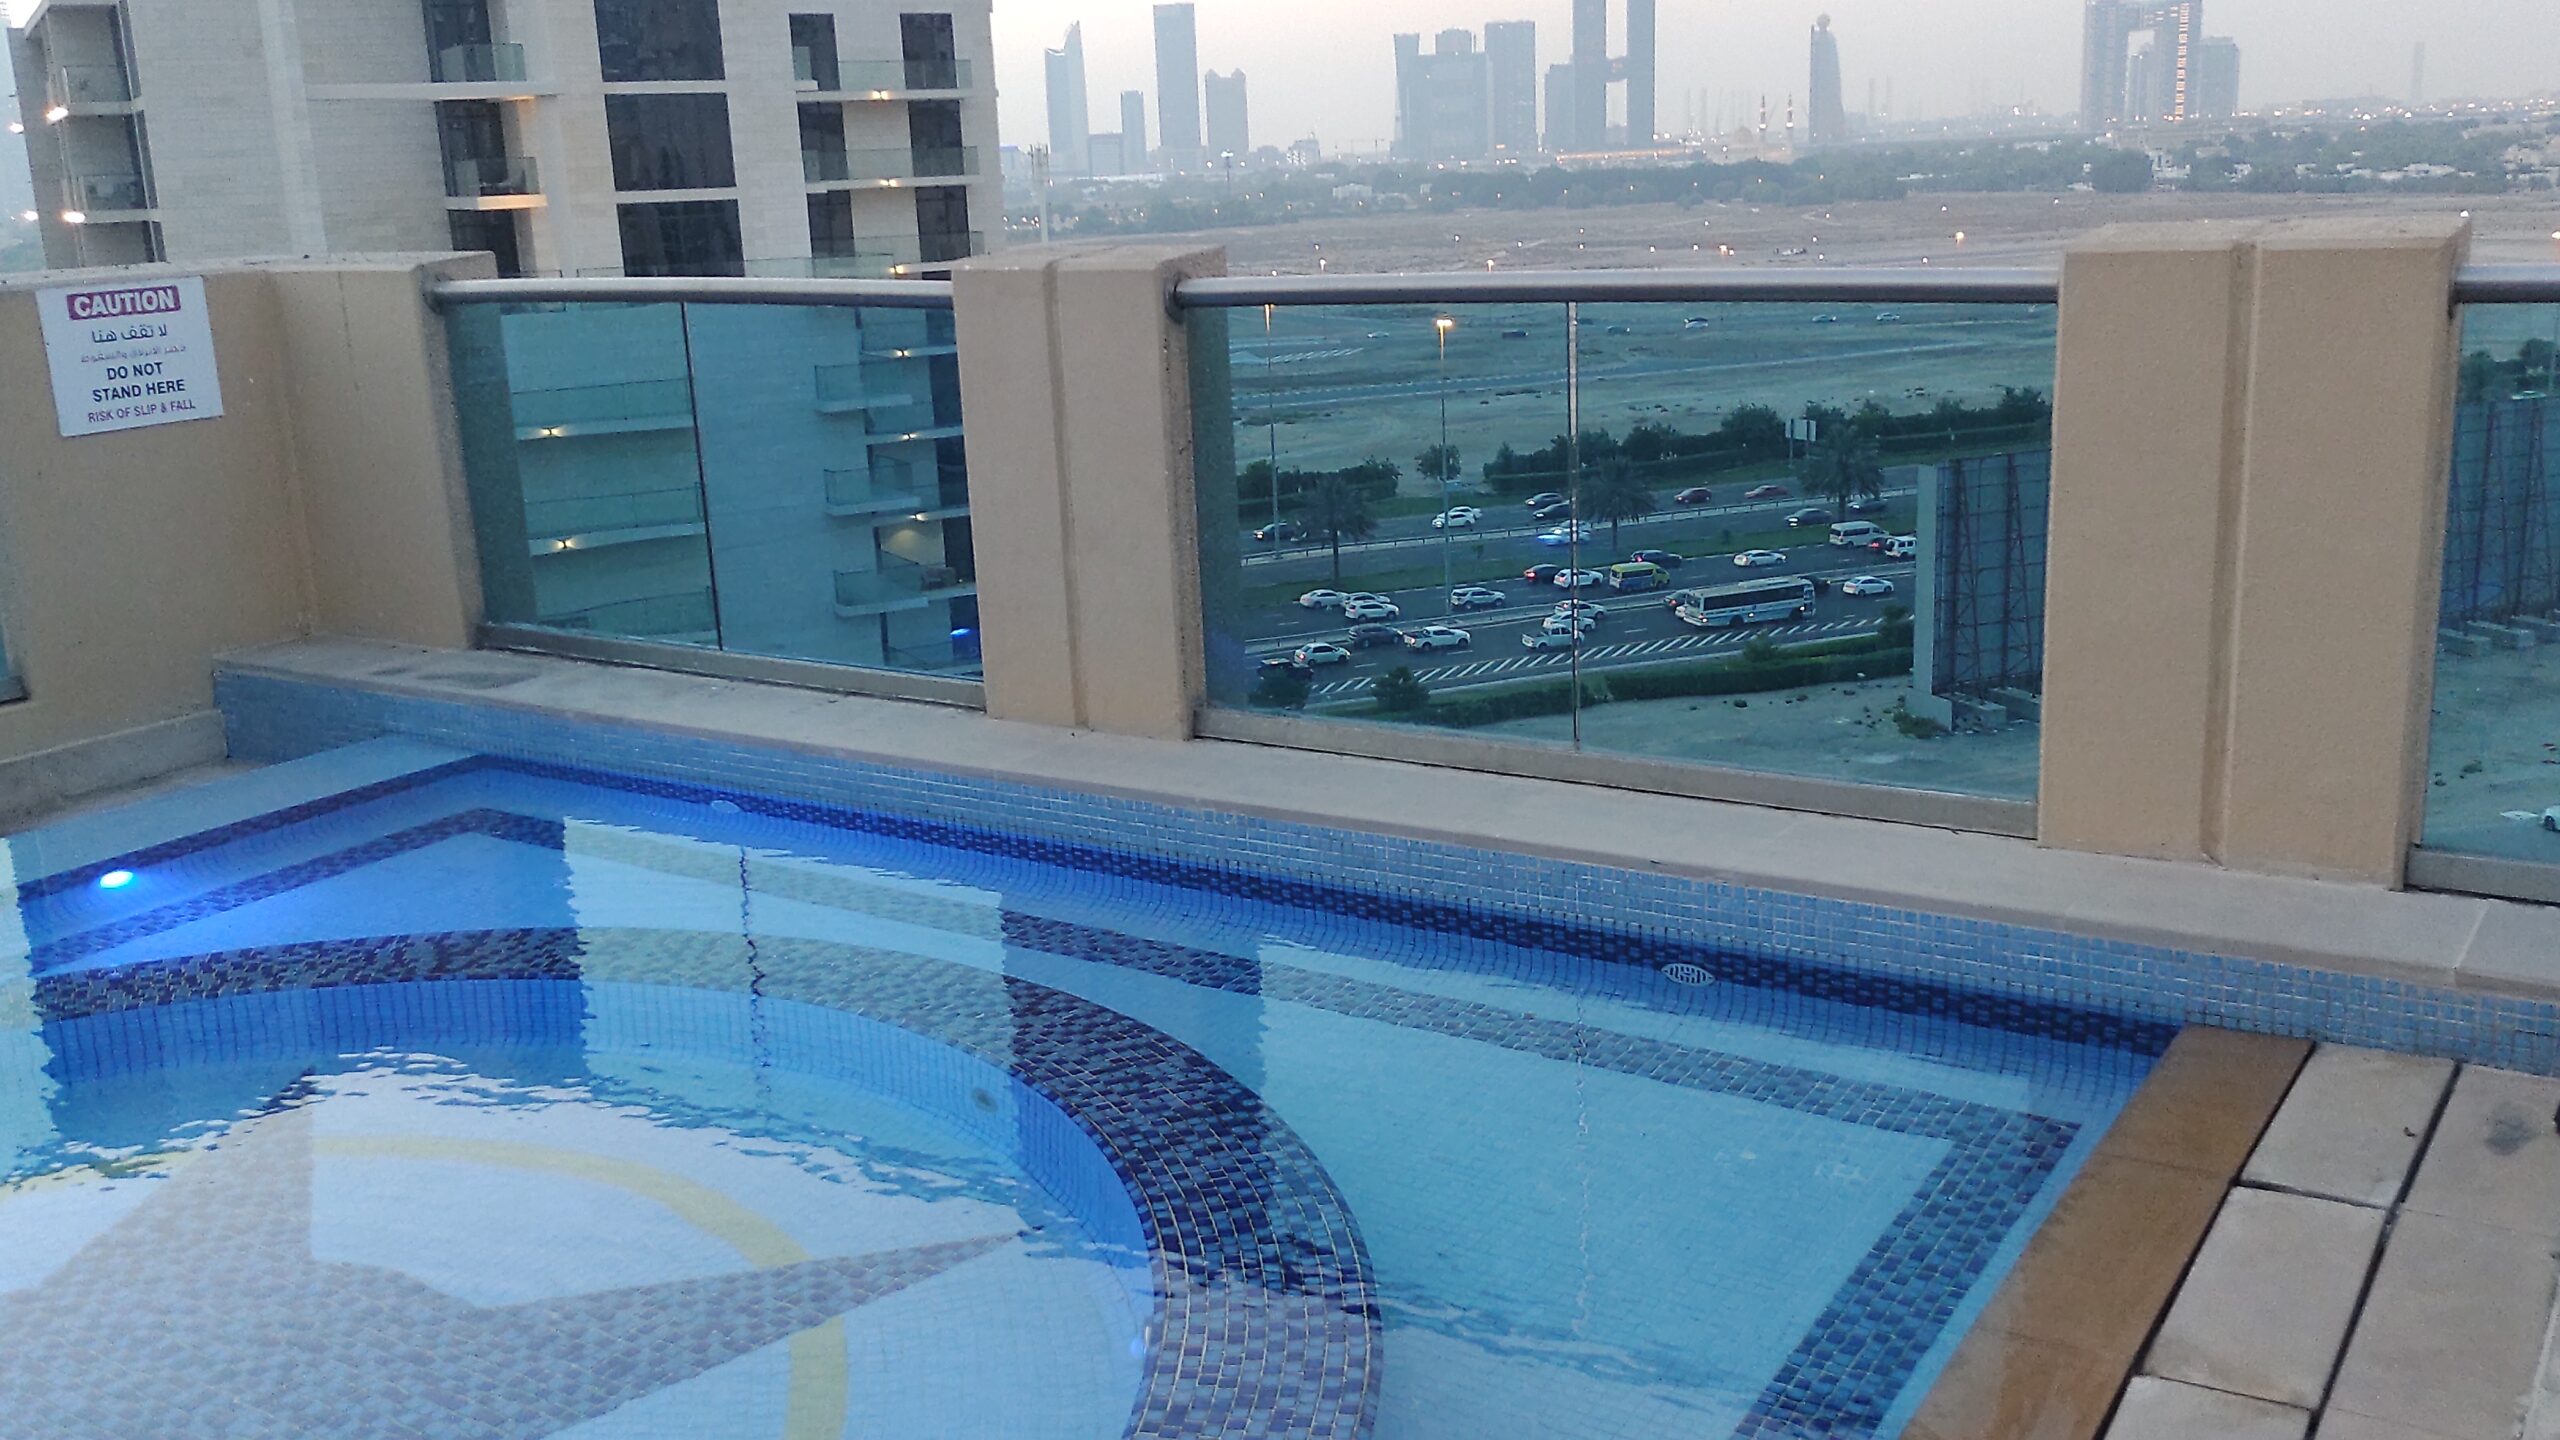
<point>398,1086</point>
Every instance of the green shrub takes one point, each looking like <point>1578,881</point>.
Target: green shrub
<point>1400,692</point>
<point>1831,662</point>
<point>1281,690</point>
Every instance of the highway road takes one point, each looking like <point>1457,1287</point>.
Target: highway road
<point>1414,533</point>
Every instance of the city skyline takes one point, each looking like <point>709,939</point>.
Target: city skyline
<point>1330,69</point>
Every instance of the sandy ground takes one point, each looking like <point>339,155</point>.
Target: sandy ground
<point>1834,732</point>
<point>2496,751</point>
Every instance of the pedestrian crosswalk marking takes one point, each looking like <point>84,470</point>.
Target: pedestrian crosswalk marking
<point>1591,655</point>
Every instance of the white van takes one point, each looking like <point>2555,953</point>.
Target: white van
<point>1852,534</point>
<point>1902,547</point>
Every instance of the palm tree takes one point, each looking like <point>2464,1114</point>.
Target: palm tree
<point>1439,463</point>
<point>1615,494</point>
<point>1844,468</point>
<point>1338,510</point>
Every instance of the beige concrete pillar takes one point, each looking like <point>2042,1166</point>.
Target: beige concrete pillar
<point>379,460</point>
<point>1074,378</point>
<point>2145,434</point>
<point>2252,431</point>
<point>2340,537</point>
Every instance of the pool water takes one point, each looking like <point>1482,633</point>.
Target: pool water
<point>399,1091</point>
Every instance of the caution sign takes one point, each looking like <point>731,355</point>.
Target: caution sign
<point>126,356</point>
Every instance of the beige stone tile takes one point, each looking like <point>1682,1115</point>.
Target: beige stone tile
<point>2351,1126</point>
<point>2451,1333</point>
<point>2206,1102</point>
<point>2157,1409</point>
<point>2005,1387</point>
<point>2342,1425</point>
<point>2097,1273</point>
<point>2495,1158</point>
<point>2265,1308</point>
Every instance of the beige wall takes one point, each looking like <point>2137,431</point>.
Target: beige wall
<point>325,498</point>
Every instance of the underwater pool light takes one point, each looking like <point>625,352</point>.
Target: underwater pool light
<point>115,880</point>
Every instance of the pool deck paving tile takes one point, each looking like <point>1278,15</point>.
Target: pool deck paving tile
<point>2157,1409</point>
<point>2270,1298</point>
<point>2451,1335</point>
<point>2339,1425</point>
<point>2052,1351</point>
<point>2495,1159</point>
<point>2352,1127</point>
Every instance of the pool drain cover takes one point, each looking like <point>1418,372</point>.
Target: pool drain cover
<point>1681,972</point>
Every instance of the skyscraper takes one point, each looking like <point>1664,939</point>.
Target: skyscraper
<point>1642,127</point>
<point>2217,78</point>
<point>1560,101</point>
<point>1443,99</point>
<point>2107,31</point>
<point>1070,123</point>
<point>1590,127</point>
<point>1178,85</point>
<point>1511,63</point>
<point>1408,68</point>
<point>1133,131</point>
<point>1230,133</point>
<point>2418,74</point>
<point>1829,115</point>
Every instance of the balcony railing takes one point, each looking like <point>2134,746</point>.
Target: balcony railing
<point>888,166</point>
<point>492,176</point>
<point>898,584</point>
<point>88,85</point>
<point>112,192</point>
<point>736,494</point>
<point>804,67</point>
<point>885,76</point>
<point>570,517</point>
<point>820,167</point>
<point>477,64</point>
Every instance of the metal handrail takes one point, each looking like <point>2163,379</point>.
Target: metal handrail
<point>2507,285</point>
<point>1910,285</point>
<point>696,290</point>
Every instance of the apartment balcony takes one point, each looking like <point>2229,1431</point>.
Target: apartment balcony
<point>914,336</point>
<point>683,617</point>
<point>886,168</point>
<point>887,486</point>
<point>898,585</point>
<point>501,63</point>
<point>577,411</point>
<point>74,90</point>
<point>902,79</point>
<point>594,522</point>
<point>493,182</point>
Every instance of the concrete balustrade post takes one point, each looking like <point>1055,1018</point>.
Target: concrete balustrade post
<point>1075,385</point>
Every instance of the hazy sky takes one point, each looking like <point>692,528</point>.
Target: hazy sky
<point>1327,67</point>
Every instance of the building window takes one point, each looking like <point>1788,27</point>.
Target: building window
<point>470,130</point>
<point>669,142</point>
<point>682,237</point>
<point>813,51</point>
<point>831,226</point>
<point>933,133</point>
<point>490,230</point>
<point>659,39</point>
<point>452,24</point>
<point>942,223</point>
<point>932,54</point>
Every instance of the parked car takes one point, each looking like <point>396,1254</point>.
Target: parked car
<point>1439,637</point>
<point>1548,639</point>
<point>1365,608</point>
<point>1558,511</point>
<point>1695,495</point>
<point>1323,653</point>
<point>1569,534</point>
<point>1866,585</point>
<point>1323,599</point>
<point>1457,517</point>
<point>1753,559</point>
<point>1475,597</point>
<point>1580,579</point>
<point>1767,492</point>
<point>1810,515</point>
<point>1869,507</point>
<point>1541,574</point>
<point>1663,558</point>
<point>1281,532</point>
<point>1367,637</point>
<point>1543,499</point>
<point>1568,625</point>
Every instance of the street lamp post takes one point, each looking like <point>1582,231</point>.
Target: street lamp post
<point>1271,422</point>
<point>1443,325</point>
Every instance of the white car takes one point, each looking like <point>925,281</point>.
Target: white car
<point>1322,653</point>
<point>1579,579</point>
<point>1323,599</point>
<point>1753,559</point>
<point>1476,597</point>
<point>2551,819</point>
<point>1438,637</point>
<point>1866,585</point>
<point>1548,639</point>
<point>1369,607</point>
<point>1567,535</point>
<point>1589,609</point>
<point>1462,517</point>
<point>1569,625</point>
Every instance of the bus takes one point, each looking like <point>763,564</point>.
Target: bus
<point>1786,597</point>
<point>1638,575</point>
